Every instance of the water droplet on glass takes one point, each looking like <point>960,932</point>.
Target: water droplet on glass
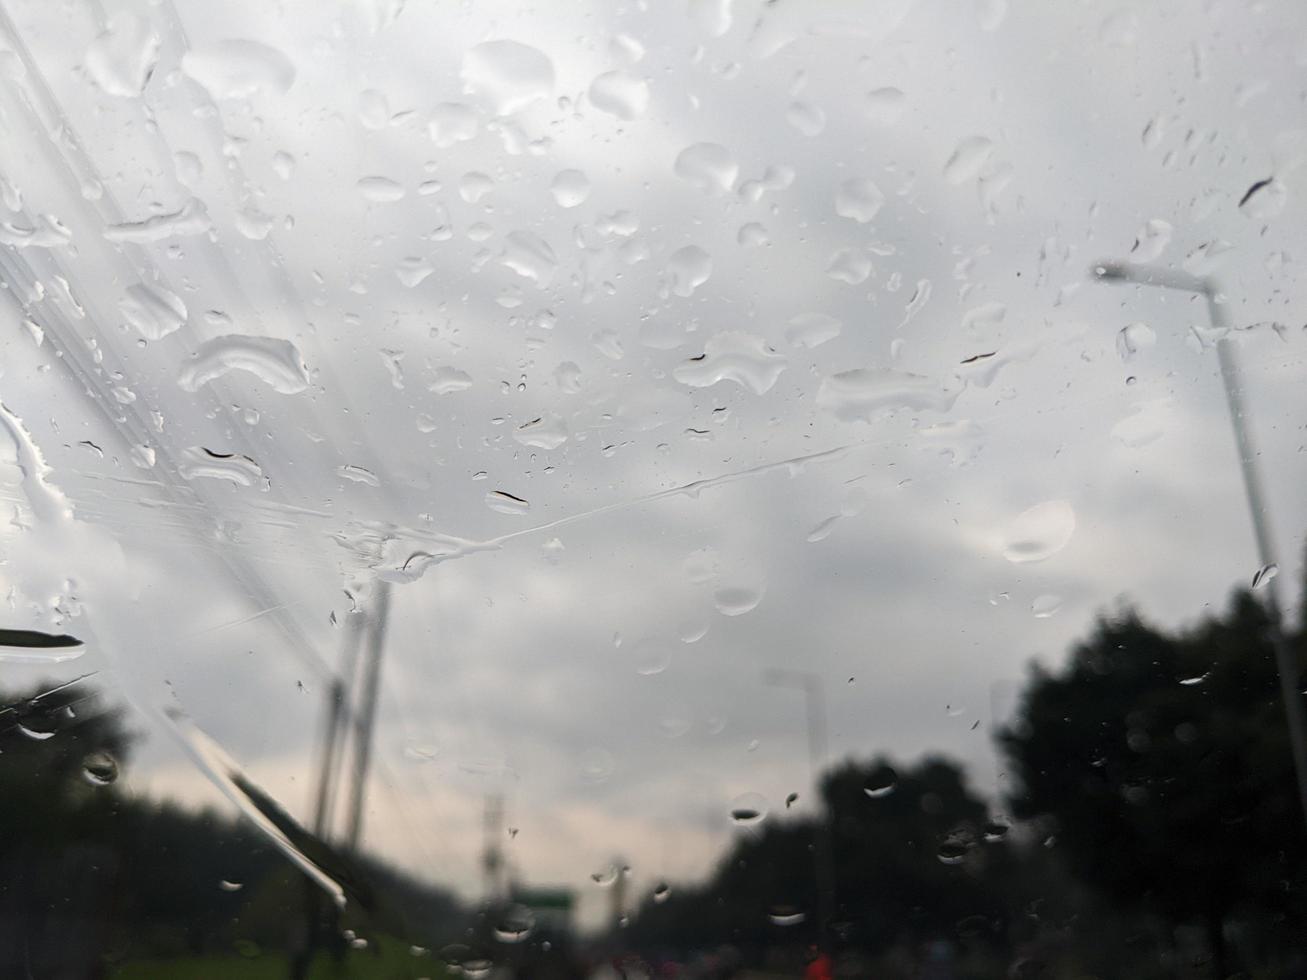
<point>122,58</point>
<point>380,190</point>
<point>597,765</point>
<point>191,219</point>
<point>753,235</point>
<point>507,76</point>
<point>1264,574</point>
<point>530,256</point>
<point>858,198</point>
<point>822,530</point>
<point>784,916</point>
<point>474,185</point>
<point>196,462</point>
<point>806,118</point>
<point>736,600</point>
<point>708,166</point>
<point>881,783</point>
<point>1151,240</point>
<point>358,474</point>
<point>1133,338</point>
<point>748,809</point>
<point>570,188</point>
<point>1045,606</point>
<point>810,330</point>
<point>651,655</point>
<point>968,159</point>
<point>1264,199</point>
<point>1040,532</point>
<point>34,734</point>
<point>230,886</point>
<point>153,310</point>
<point>621,94</point>
<point>662,892</point>
<point>863,393</point>
<point>515,924</point>
<point>995,831</point>
<point>730,356</point>
<point>445,380</point>
<point>277,363</point>
<point>884,106</point>
<point>238,69</point>
<point>849,265</point>
<point>503,502</point>
<point>545,432</point>
<point>688,268</point>
<point>100,769</point>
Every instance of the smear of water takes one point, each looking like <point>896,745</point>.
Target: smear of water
<point>190,219</point>
<point>731,356</point>
<point>239,68</point>
<point>507,76</point>
<point>48,503</point>
<point>275,362</point>
<point>863,393</point>
<point>47,232</point>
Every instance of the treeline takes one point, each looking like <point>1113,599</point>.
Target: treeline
<point>1151,829</point>
<point>92,878</point>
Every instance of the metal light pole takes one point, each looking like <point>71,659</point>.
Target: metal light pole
<point>814,701</point>
<point>1143,275</point>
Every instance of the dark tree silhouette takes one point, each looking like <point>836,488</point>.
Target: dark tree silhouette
<point>1161,765</point>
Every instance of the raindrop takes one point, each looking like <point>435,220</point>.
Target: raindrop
<point>374,109</point>
<point>753,235</point>
<point>662,892</point>
<point>515,925</point>
<point>810,330</point>
<point>547,432</point>
<point>413,271</point>
<point>503,502</point>
<point>736,600</point>
<point>1264,199</point>
<point>507,76</point>
<point>1133,338</point>
<point>190,219</point>
<point>570,188</point>
<point>153,310</point>
<point>1195,680</point>
<point>652,655</point>
<point>849,265</point>
<point>1045,606</point>
<point>784,916</point>
<point>731,356</point>
<point>597,765</point>
<point>32,733</point>
<point>791,799</point>
<point>100,769</point>
<point>277,363</point>
<point>689,268</point>
<point>1040,532</point>
<point>606,876</point>
<point>230,886</point>
<point>1151,240</point>
<point>884,106</point>
<point>283,164</point>
<point>708,166</point>
<point>712,17</point>
<point>1264,575</point>
<point>748,809</point>
<point>380,190</point>
<point>968,159</point>
<point>445,380</point>
<point>199,463</point>
<point>863,393</point>
<point>995,831</point>
<point>859,199</point>
<point>881,783</point>
<point>474,185</point>
<point>530,256</point>
<point>122,58</point>
<point>806,118</point>
<point>620,94</point>
<point>254,224</point>
<point>452,122</point>
<point>358,474</point>
<point>822,530</point>
<point>238,69</point>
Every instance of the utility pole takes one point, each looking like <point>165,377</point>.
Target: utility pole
<point>1285,661</point>
<point>366,716</point>
<point>814,703</point>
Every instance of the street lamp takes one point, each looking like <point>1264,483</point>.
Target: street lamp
<point>1144,275</point>
<point>814,701</point>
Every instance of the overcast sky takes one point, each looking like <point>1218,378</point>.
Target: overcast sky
<point>505,296</point>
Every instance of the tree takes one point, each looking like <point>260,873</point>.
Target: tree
<point>1162,764</point>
